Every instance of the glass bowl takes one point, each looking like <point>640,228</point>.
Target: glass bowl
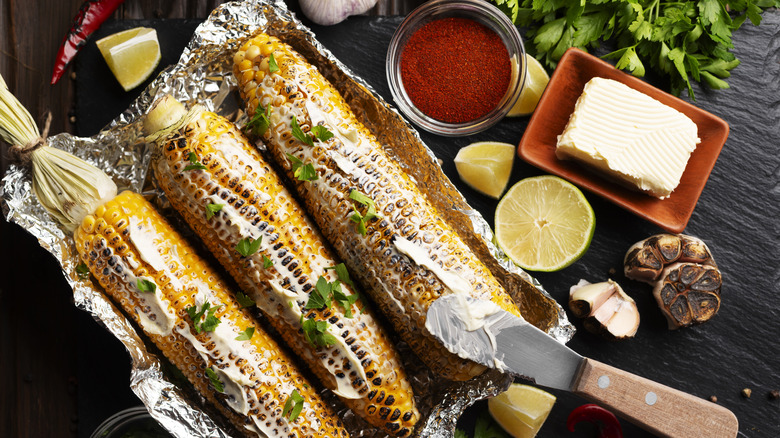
<point>481,12</point>
<point>132,422</point>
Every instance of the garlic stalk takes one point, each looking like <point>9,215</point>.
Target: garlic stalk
<point>68,187</point>
<point>328,12</point>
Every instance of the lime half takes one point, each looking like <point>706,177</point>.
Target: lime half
<point>544,223</point>
<point>486,166</point>
<point>521,410</point>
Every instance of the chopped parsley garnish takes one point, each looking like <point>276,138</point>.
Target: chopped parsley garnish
<point>321,133</point>
<point>248,246</point>
<point>362,219</point>
<point>304,172</point>
<point>326,292</point>
<point>344,300</point>
<point>273,67</point>
<point>244,300</point>
<point>246,334</point>
<point>82,271</point>
<point>318,132</point>
<point>212,209</point>
<point>267,263</point>
<point>214,378</point>
<point>316,332</point>
<point>261,121</point>
<point>209,323</point>
<point>145,285</point>
<point>320,296</point>
<point>293,406</point>
<point>342,273</point>
<point>194,164</point>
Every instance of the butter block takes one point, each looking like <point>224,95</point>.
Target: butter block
<point>628,137</point>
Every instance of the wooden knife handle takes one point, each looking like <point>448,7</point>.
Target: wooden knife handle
<point>654,407</point>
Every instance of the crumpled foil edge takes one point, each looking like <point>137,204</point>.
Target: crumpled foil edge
<point>120,150</point>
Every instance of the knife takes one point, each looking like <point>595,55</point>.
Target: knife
<point>483,332</point>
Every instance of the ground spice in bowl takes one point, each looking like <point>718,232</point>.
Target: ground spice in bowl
<point>455,69</point>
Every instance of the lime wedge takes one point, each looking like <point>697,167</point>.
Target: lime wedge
<point>544,223</point>
<point>486,166</point>
<point>132,55</point>
<point>536,80</point>
<point>521,410</point>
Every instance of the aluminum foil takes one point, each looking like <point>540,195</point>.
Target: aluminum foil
<point>204,75</point>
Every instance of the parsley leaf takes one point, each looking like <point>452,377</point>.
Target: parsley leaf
<point>345,301</point>
<point>246,334</point>
<point>321,133</point>
<point>293,406</point>
<point>298,133</point>
<point>194,164</point>
<point>214,378</point>
<point>267,263</point>
<point>260,122</point>
<point>304,172</point>
<point>342,273</point>
<point>145,285</point>
<point>320,296</point>
<point>244,300</point>
<point>316,333</point>
<point>362,219</point>
<point>212,209</point>
<point>82,271</point>
<point>486,427</point>
<point>273,67</point>
<point>248,246</point>
<point>209,323</point>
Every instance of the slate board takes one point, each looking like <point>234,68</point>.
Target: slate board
<point>737,215</point>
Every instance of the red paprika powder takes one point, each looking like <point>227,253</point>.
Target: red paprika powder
<point>455,69</point>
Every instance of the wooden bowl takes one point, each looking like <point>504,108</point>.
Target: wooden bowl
<point>537,145</point>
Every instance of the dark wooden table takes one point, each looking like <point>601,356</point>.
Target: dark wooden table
<point>61,373</point>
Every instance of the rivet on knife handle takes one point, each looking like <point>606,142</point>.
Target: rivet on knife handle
<point>654,407</point>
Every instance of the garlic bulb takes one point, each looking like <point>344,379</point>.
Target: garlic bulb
<point>328,12</point>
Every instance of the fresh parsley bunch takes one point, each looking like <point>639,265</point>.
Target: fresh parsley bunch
<point>681,39</point>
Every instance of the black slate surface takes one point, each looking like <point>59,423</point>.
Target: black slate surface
<point>737,215</point>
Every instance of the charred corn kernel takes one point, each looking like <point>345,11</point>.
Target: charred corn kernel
<point>408,256</point>
<point>155,276</point>
<point>285,272</point>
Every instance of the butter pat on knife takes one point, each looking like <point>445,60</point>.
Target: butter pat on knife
<point>629,137</point>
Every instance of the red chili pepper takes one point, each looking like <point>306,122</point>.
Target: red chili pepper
<point>607,422</point>
<point>89,18</point>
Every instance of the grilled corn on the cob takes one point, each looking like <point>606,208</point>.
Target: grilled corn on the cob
<point>380,223</point>
<point>233,198</point>
<point>188,312</point>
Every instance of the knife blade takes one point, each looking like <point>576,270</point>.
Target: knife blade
<point>481,331</point>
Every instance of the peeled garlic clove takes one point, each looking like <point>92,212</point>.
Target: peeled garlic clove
<point>328,12</point>
<point>688,294</point>
<point>607,309</point>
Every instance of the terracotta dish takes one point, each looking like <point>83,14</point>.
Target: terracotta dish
<point>537,146</point>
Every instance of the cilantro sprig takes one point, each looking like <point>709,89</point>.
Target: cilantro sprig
<point>246,334</point>
<point>145,285</point>
<point>244,300</point>
<point>325,292</point>
<point>302,171</point>
<point>194,164</point>
<point>684,40</point>
<point>204,320</point>
<point>293,406</point>
<point>82,271</point>
<point>273,67</point>
<point>359,218</point>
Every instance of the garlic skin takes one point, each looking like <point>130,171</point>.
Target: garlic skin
<point>606,309</point>
<point>329,12</point>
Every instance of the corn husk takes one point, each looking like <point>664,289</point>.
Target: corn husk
<point>68,187</point>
